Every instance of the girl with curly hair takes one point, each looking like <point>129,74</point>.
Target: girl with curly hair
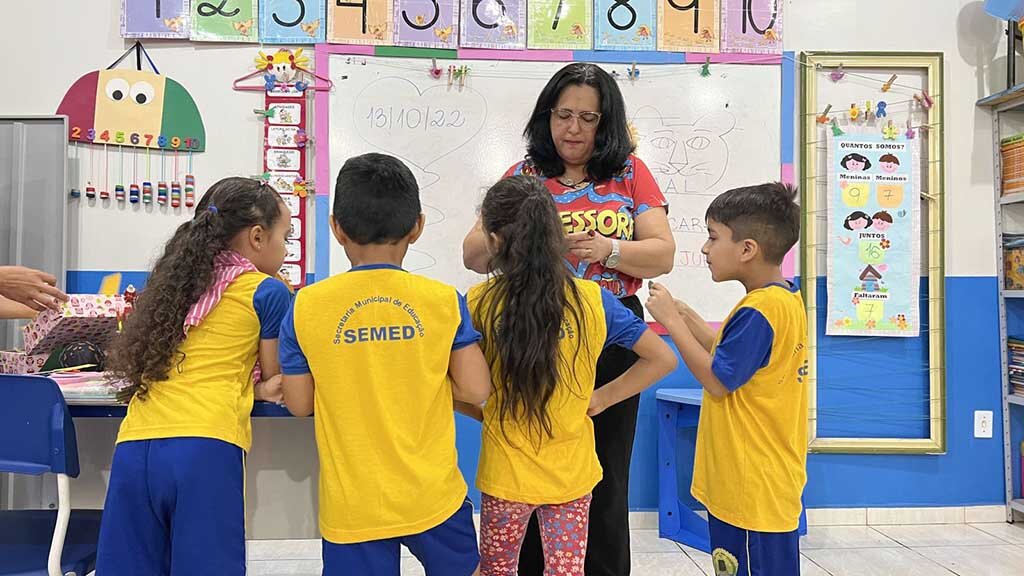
<point>210,310</point>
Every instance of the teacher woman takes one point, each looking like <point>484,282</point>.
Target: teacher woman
<point>616,221</point>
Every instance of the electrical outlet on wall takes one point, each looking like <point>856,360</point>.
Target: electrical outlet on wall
<point>982,423</point>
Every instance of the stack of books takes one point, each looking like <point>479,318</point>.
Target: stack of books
<point>1015,360</point>
<point>1012,150</point>
<point>1013,261</point>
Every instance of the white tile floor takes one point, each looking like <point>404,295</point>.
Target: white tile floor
<point>925,550</point>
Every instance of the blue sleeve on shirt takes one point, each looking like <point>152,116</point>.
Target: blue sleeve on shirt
<point>293,361</point>
<point>745,348</point>
<point>624,327</point>
<point>271,300</point>
<point>466,334</point>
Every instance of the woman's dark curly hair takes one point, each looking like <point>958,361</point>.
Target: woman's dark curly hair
<point>612,142</point>
<point>523,308</point>
<point>142,354</point>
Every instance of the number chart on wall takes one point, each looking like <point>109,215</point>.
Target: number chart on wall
<point>459,138</point>
<point>137,126</point>
<point>873,250</point>
<point>714,26</point>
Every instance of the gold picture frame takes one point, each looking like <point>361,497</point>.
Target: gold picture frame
<point>860,64</point>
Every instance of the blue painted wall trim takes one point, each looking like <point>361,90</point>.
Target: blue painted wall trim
<point>322,231</point>
<point>970,473</point>
<point>786,144</point>
<point>628,57</point>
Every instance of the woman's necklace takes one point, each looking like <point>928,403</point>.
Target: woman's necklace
<point>570,183</point>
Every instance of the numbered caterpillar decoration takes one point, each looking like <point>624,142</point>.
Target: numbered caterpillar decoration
<point>133,108</point>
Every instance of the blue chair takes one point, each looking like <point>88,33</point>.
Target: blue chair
<point>37,436</point>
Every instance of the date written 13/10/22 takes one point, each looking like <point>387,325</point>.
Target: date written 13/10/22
<point>414,118</point>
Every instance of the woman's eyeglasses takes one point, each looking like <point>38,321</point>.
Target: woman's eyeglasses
<point>587,119</point>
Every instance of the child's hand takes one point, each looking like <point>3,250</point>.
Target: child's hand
<point>598,403</point>
<point>661,304</point>
<point>270,390</point>
<point>683,308</point>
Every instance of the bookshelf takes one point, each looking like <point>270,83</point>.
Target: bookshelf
<point>1008,141</point>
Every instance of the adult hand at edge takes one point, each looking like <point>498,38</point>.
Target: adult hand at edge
<point>33,288</point>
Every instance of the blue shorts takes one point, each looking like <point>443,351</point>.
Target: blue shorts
<point>735,551</point>
<point>174,506</point>
<point>446,550</point>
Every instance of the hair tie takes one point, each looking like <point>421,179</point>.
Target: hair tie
<point>212,209</point>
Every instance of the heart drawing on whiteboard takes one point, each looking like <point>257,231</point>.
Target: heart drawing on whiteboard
<point>418,126</point>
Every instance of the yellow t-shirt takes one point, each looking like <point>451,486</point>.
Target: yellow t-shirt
<point>520,466</point>
<point>209,394</point>
<point>377,341</point>
<point>751,458</point>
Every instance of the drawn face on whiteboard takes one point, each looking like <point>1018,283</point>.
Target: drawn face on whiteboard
<point>683,157</point>
<point>574,138</point>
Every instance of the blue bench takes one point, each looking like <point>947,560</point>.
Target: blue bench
<point>680,408</point>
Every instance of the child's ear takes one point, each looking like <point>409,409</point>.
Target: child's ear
<point>417,230</point>
<point>338,233</point>
<point>750,250</point>
<point>257,237</point>
<point>493,241</point>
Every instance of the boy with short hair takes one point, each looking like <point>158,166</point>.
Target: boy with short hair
<point>751,455</point>
<point>381,353</point>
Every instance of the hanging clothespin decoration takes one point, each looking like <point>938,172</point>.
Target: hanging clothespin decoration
<point>301,138</point>
<point>926,100</point>
<point>880,112</point>
<point>633,72</point>
<point>302,188</point>
<point>869,111</point>
<point>910,130</point>
<point>269,81</point>
<point>705,69</point>
<point>451,75</point>
<point>854,112</point>
<point>835,128</point>
<point>268,113</point>
<point>823,117</point>
<point>837,74</point>
<point>888,83</point>
<point>435,72</point>
<point>462,76</point>
<point>923,100</point>
<point>890,131</point>
<point>263,178</point>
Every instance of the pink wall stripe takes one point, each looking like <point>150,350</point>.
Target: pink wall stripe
<point>697,58</point>
<point>522,55</point>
